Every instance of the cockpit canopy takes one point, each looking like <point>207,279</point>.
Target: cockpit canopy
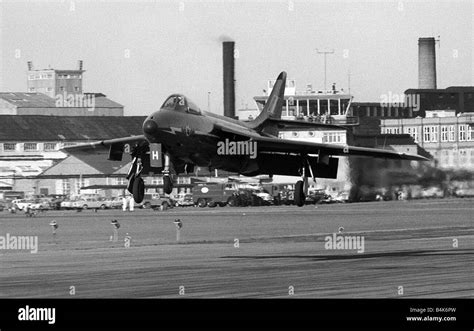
<point>179,102</point>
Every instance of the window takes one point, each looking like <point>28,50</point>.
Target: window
<point>470,133</point>
<point>452,133</point>
<point>66,186</point>
<point>311,133</point>
<point>76,88</point>
<point>444,133</point>
<point>31,89</point>
<point>434,133</point>
<point>120,181</point>
<point>80,182</point>
<point>49,146</point>
<point>49,89</point>
<point>426,134</point>
<point>333,137</point>
<point>295,134</point>
<point>31,77</point>
<point>62,88</point>
<point>30,147</point>
<point>184,180</point>
<point>462,133</point>
<point>157,181</point>
<point>9,147</point>
<point>413,132</point>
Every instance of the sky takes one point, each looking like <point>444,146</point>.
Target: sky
<point>139,52</point>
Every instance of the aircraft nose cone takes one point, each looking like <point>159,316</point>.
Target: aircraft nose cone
<point>150,127</point>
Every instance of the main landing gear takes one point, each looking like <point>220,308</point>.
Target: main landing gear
<point>136,185</point>
<point>301,187</point>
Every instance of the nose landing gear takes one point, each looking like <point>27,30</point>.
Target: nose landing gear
<point>167,181</point>
<point>136,185</point>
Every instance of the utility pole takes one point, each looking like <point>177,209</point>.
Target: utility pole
<point>208,101</point>
<point>325,53</point>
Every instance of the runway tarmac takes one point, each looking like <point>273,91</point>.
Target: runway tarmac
<point>409,252</point>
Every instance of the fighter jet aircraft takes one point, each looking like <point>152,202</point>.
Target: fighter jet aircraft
<point>180,136</point>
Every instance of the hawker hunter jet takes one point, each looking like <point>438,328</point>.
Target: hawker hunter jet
<point>180,136</point>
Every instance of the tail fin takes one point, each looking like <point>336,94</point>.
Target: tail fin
<point>273,107</point>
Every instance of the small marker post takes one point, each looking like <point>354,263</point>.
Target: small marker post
<point>179,225</point>
<point>54,226</point>
<point>116,226</point>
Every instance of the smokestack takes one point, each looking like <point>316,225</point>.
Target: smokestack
<point>229,82</point>
<point>79,64</point>
<point>426,63</point>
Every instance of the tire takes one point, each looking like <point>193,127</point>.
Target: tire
<point>202,203</point>
<point>212,204</point>
<point>85,206</point>
<point>146,205</point>
<point>299,194</point>
<point>165,205</point>
<point>138,189</point>
<point>103,206</point>
<point>167,184</point>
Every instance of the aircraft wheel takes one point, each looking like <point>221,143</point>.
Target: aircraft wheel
<point>299,194</point>
<point>167,184</point>
<point>138,189</point>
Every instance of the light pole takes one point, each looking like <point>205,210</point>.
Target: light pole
<point>209,101</point>
<point>325,53</point>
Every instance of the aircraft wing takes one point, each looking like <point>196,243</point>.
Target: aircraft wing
<point>268,144</point>
<point>103,146</point>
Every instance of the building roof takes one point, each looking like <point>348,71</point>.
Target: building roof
<point>86,165</point>
<point>68,128</point>
<point>40,100</point>
<point>450,89</point>
<point>28,100</point>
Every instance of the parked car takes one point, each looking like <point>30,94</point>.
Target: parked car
<point>68,203</point>
<point>464,192</point>
<point>432,192</point>
<point>114,203</point>
<point>266,198</point>
<point>155,201</point>
<point>342,197</point>
<point>23,204</point>
<point>89,203</point>
<point>2,205</point>
<point>184,200</point>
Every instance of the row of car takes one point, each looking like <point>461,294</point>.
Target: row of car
<point>151,200</point>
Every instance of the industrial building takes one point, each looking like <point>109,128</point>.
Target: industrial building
<point>88,104</point>
<point>448,137</point>
<point>31,144</point>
